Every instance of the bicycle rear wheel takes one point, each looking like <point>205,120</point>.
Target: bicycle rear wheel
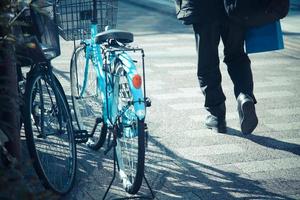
<point>87,104</point>
<point>130,149</point>
<point>49,132</point>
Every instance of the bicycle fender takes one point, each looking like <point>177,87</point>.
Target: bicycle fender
<point>138,97</point>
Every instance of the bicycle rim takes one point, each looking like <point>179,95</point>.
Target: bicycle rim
<point>87,107</point>
<point>130,149</point>
<point>49,133</point>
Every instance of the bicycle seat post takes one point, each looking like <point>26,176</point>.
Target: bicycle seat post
<point>94,17</point>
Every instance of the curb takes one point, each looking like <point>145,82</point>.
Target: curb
<point>154,5</point>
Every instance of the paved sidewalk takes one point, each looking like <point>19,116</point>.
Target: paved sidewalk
<point>161,6</point>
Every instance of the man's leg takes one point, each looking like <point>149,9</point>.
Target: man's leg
<point>237,61</point>
<point>207,41</point>
<point>239,69</point>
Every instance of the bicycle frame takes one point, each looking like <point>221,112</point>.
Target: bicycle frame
<point>106,81</point>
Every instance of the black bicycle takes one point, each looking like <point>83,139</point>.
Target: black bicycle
<point>45,114</point>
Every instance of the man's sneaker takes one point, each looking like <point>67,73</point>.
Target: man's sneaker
<point>246,110</point>
<point>216,124</point>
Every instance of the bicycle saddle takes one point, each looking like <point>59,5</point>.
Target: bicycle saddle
<point>114,34</point>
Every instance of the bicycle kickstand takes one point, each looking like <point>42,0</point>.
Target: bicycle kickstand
<point>134,197</point>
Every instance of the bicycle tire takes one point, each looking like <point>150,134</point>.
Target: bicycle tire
<point>90,106</point>
<point>131,169</point>
<point>49,137</point>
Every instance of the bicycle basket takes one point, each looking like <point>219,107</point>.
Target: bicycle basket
<point>74,17</point>
<point>45,28</point>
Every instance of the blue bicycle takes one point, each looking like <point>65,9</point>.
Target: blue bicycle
<point>108,90</point>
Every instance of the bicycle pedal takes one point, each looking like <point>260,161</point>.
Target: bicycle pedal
<point>99,120</point>
<point>81,136</point>
<point>148,102</point>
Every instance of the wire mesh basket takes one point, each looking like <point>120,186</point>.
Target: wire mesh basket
<point>74,17</point>
<point>45,28</point>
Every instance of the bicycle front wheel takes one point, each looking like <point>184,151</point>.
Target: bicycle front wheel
<point>130,149</point>
<point>86,98</point>
<point>49,133</point>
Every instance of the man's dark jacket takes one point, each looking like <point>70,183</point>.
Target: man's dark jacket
<point>199,11</point>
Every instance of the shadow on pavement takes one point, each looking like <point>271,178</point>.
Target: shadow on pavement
<point>268,142</point>
<point>193,180</point>
<point>170,176</point>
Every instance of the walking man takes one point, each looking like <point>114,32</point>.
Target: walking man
<point>211,24</point>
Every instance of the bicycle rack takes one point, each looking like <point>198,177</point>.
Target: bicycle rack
<point>114,176</point>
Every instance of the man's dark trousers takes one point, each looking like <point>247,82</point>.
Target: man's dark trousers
<point>208,37</point>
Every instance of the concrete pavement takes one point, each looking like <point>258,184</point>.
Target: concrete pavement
<point>184,160</point>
